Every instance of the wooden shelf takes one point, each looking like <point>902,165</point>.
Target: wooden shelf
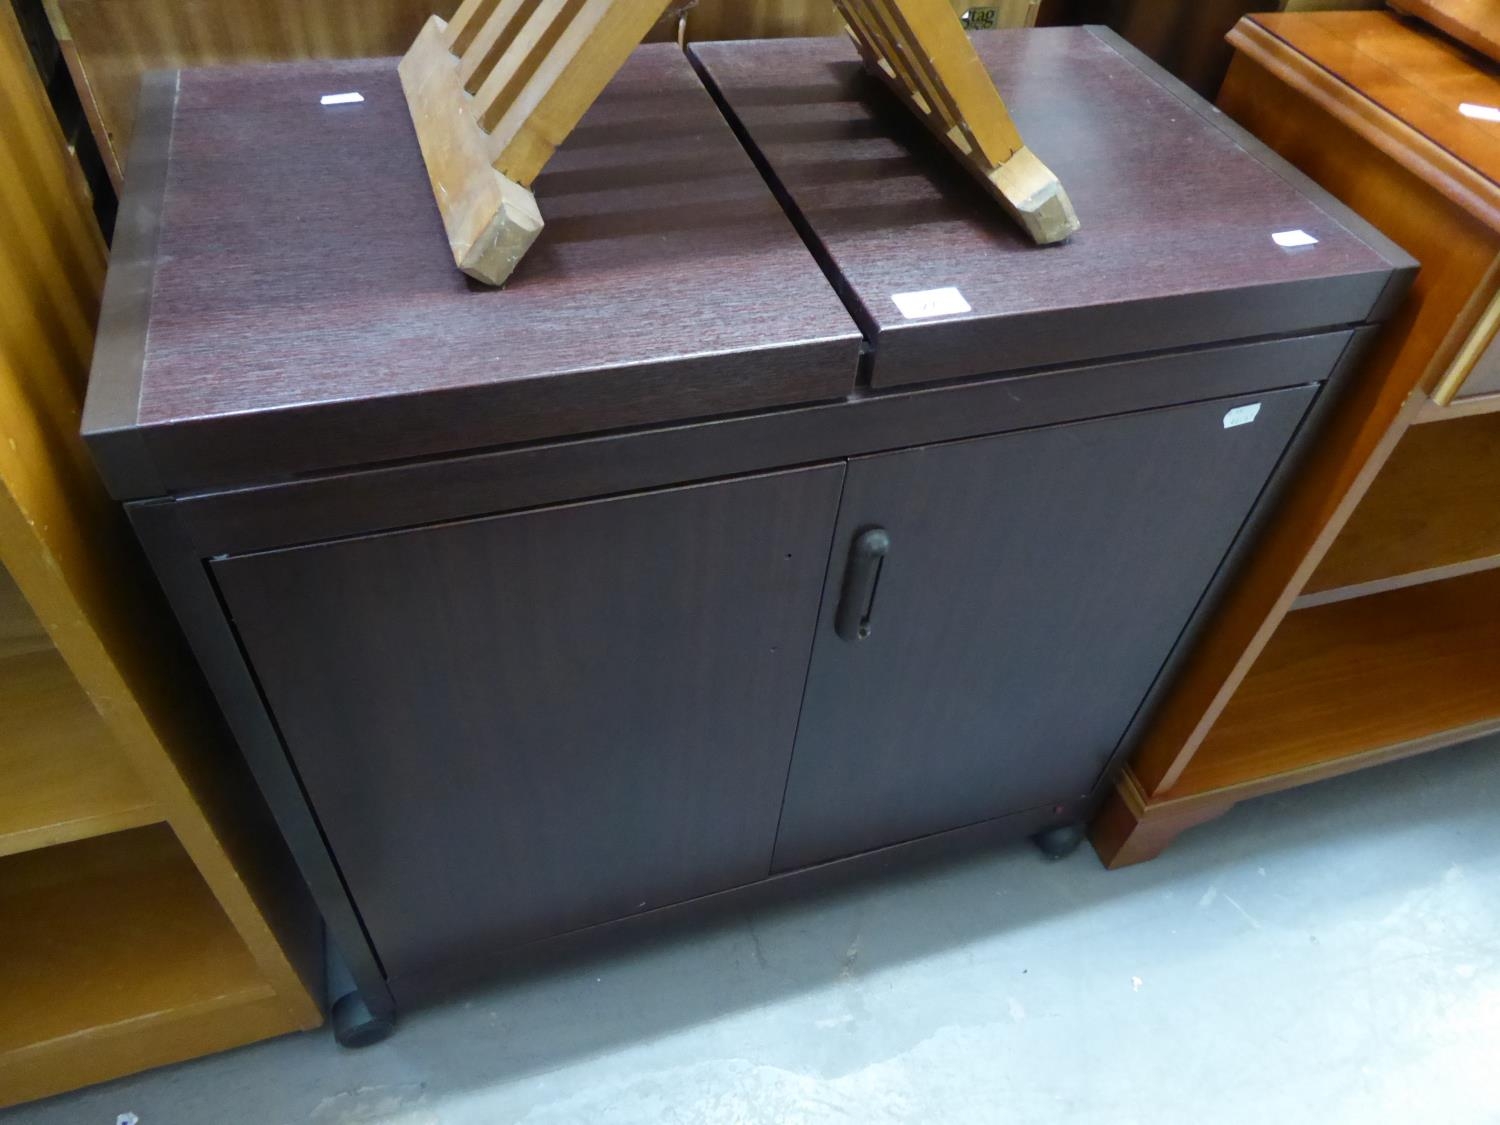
<point>107,936</point>
<point>1431,515</point>
<point>20,631</point>
<point>63,776</point>
<point>1384,675</point>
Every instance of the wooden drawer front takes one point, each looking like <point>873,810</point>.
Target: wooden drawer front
<point>1034,586</point>
<point>520,725</point>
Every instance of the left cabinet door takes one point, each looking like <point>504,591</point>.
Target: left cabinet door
<point>519,725</point>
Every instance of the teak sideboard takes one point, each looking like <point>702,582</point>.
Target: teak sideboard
<point>681,568</point>
<point>1366,626</point>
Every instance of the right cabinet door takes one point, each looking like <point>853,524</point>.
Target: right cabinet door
<point>996,610</point>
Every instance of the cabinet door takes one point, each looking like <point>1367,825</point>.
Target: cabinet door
<point>1033,586</point>
<point>519,725</point>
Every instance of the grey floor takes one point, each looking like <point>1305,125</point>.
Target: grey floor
<point>1330,955</point>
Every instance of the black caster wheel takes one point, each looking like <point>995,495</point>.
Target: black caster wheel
<point>354,1025</point>
<point>1060,841</point>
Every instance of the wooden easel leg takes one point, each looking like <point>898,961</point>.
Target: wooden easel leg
<point>491,220</point>
<point>1126,830</point>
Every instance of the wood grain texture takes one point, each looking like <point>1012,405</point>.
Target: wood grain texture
<point>110,44</point>
<point>1419,79</point>
<point>1355,676</point>
<point>1474,23</point>
<point>1287,100</point>
<point>64,777</point>
<point>668,284</point>
<point>1431,509</point>
<point>564,716</point>
<point>993,610</point>
<point>74,990</point>
<point>890,215</point>
<point>398,496</point>
<point>66,546</point>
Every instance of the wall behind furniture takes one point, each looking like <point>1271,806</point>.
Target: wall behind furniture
<point>109,44</point>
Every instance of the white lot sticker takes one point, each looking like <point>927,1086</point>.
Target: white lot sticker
<point>1241,415</point>
<point>341,99</point>
<point>1290,238</point>
<point>1479,112</point>
<point>931,302</point>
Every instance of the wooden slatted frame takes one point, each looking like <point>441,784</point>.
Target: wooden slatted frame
<point>920,50</point>
<point>494,91</point>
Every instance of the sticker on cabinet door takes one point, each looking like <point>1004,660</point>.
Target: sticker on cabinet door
<point>931,302</point>
<point>1241,416</point>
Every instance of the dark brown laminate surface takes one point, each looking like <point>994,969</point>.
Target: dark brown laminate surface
<point>1175,247</point>
<point>517,726</point>
<point>304,312</point>
<point>1034,585</point>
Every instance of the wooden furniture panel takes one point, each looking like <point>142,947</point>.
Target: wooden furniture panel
<point>1374,673</point>
<point>64,777</point>
<point>564,716</point>
<point>1475,23</point>
<point>1354,99</point>
<point>105,726</point>
<point>328,358</point>
<point>110,44</point>
<point>1432,513</point>
<point>888,215</point>
<point>20,631</point>
<point>992,610</point>
<point>114,946</point>
<point>494,613</point>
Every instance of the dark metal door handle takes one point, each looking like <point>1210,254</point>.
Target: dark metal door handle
<point>861,577</point>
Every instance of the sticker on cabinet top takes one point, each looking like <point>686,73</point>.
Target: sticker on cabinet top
<point>351,98</point>
<point>1289,238</point>
<point>931,302</point>
<point>1241,416</point>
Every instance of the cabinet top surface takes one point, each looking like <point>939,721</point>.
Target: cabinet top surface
<point>1177,215</point>
<point>291,259</point>
<point>1448,94</point>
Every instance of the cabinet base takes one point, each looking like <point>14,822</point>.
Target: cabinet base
<point>1127,829</point>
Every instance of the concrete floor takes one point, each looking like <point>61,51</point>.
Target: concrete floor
<point>1330,955</point>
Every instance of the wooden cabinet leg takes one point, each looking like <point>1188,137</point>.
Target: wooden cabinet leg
<point>1128,830</point>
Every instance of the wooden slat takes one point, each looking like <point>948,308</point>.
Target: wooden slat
<point>468,21</point>
<point>477,61</point>
<point>920,50</point>
<point>538,30</point>
<point>939,36</point>
<point>583,60</point>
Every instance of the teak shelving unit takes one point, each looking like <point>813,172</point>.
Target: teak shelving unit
<point>147,912</point>
<point>1366,625</point>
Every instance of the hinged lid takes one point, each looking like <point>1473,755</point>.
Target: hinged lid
<point>1188,236</point>
<point>282,299</point>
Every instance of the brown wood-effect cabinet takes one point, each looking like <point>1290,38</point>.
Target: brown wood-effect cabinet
<point>683,569</point>
<point>1366,625</point>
